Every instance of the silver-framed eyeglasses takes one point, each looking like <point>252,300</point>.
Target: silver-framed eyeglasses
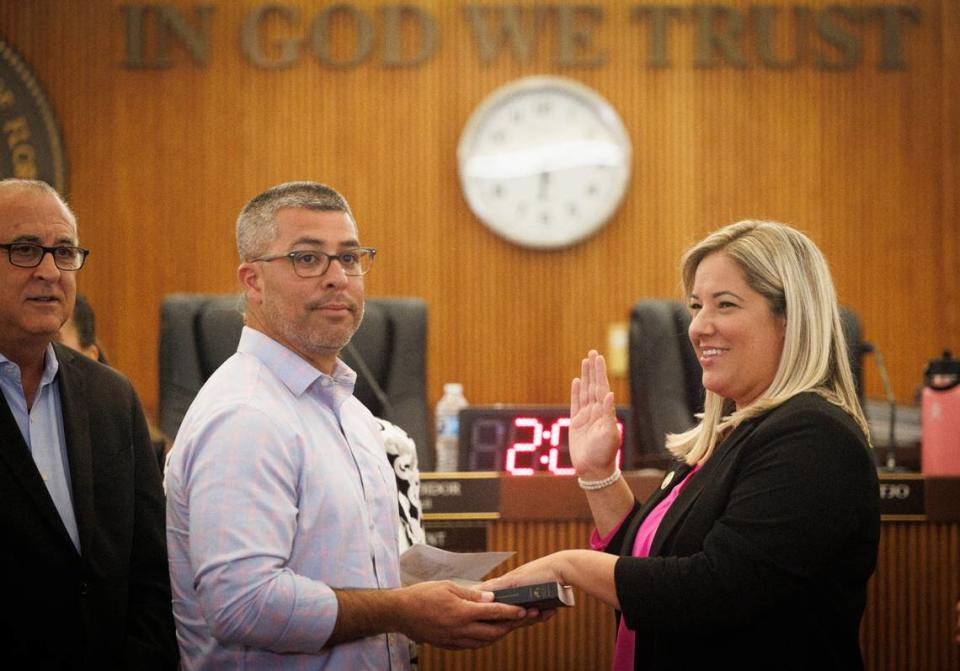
<point>30,254</point>
<point>314,263</point>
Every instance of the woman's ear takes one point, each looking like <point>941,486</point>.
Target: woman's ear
<point>92,351</point>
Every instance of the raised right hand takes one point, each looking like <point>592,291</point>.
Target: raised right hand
<point>594,436</point>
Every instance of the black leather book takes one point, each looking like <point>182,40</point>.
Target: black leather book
<point>543,595</point>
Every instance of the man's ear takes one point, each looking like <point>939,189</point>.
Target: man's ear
<point>251,281</point>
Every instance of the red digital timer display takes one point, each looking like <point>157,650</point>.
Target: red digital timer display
<point>524,440</point>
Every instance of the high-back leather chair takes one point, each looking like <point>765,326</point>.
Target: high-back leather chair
<point>198,332</point>
<point>665,376</point>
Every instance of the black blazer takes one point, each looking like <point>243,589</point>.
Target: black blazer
<point>107,607</point>
<point>763,559</point>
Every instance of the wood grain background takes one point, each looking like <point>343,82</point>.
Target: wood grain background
<point>865,160</point>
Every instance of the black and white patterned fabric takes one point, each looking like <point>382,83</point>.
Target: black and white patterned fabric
<point>402,453</point>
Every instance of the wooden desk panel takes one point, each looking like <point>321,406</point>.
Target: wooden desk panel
<point>577,639</point>
<point>908,623</point>
<point>910,613</point>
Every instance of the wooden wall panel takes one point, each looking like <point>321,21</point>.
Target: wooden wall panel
<point>161,160</point>
<point>949,260</point>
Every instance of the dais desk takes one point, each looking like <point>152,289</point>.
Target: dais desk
<point>908,622</point>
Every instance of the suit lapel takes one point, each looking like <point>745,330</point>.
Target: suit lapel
<point>15,454</point>
<point>76,433</point>
<point>691,492</point>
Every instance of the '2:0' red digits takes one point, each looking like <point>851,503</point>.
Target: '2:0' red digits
<point>554,437</point>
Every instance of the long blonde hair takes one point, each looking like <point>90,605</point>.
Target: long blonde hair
<point>785,267</point>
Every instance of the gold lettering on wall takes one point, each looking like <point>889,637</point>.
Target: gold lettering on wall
<point>342,35</point>
<point>519,29</point>
<point>151,31</point>
<point>6,96</point>
<point>718,32</point>
<point>575,28</point>
<point>764,18</point>
<point>891,38</point>
<point>832,39</point>
<point>280,52</point>
<point>842,41</point>
<point>394,51</point>
<point>322,35</point>
<point>22,154</point>
<point>659,15</point>
<point>511,26</point>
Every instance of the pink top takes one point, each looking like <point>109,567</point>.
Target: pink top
<point>624,652</point>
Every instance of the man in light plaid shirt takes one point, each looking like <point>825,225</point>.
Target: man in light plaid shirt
<point>281,505</point>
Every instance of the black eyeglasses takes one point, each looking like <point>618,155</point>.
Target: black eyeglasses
<point>311,263</point>
<point>29,255</point>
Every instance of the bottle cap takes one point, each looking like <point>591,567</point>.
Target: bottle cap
<point>943,373</point>
<point>452,388</point>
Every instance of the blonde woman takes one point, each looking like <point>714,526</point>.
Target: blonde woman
<point>757,549</point>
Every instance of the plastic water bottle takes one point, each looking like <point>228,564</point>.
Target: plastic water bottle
<point>448,427</point>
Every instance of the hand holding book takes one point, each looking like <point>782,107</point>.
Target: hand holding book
<point>542,596</point>
<point>586,570</point>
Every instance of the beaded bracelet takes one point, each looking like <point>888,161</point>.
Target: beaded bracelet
<point>593,485</point>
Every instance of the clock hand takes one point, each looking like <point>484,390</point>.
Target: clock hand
<point>544,185</point>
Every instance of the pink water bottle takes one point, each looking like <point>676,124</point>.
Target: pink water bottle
<point>940,449</point>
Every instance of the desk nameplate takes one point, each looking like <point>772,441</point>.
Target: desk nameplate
<point>902,497</point>
<point>460,496</point>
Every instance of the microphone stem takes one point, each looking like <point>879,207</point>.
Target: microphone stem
<point>891,461</point>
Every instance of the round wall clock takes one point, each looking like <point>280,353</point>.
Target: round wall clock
<point>544,162</point>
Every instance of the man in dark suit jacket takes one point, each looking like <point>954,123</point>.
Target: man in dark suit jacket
<point>83,565</point>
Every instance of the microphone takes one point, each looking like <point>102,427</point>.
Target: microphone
<point>890,463</point>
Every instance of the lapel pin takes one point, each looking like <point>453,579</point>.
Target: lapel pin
<point>667,480</point>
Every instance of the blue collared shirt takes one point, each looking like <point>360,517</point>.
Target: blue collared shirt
<point>42,429</point>
<point>278,492</point>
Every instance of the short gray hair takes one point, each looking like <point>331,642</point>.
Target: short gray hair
<point>256,225</point>
<point>39,187</point>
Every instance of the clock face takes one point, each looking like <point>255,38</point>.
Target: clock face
<point>523,440</point>
<point>544,162</point>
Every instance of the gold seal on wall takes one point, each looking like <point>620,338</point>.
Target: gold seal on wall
<point>30,140</point>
